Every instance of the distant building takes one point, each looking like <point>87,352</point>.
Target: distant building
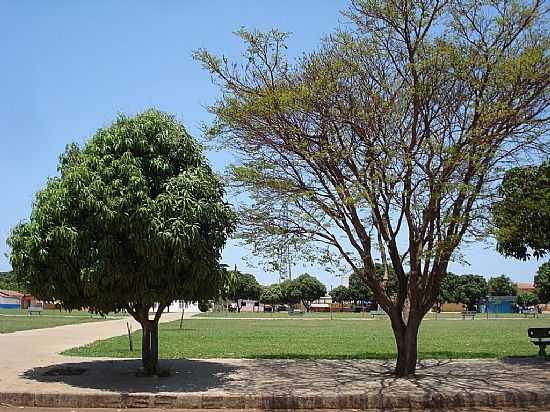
<point>10,299</point>
<point>249,305</point>
<point>179,306</point>
<point>498,304</point>
<point>322,304</point>
<point>29,300</point>
<point>525,287</point>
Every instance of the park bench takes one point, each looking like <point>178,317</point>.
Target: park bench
<point>469,313</point>
<point>295,313</point>
<point>35,309</point>
<point>375,313</point>
<point>541,338</point>
<point>532,313</point>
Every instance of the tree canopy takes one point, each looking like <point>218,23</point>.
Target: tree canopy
<point>340,294</point>
<point>243,286</point>
<point>272,295</point>
<point>466,289</point>
<point>310,289</point>
<point>542,282</point>
<point>449,285</point>
<point>501,286</point>
<point>359,289</point>
<point>8,281</point>
<point>522,215</point>
<point>397,127</point>
<point>527,299</point>
<point>290,292</point>
<point>135,217</point>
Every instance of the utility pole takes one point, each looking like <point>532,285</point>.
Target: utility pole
<point>285,261</point>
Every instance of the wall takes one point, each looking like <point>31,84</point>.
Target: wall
<point>248,305</point>
<point>452,307</point>
<point>10,302</point>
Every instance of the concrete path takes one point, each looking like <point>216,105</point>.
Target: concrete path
<point>32,373</point>
<point>27,349</point>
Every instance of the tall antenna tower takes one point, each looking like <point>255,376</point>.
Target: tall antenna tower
<point>284,259</point>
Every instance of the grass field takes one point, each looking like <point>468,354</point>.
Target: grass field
<point>12,320</point>
<point>338,339</point>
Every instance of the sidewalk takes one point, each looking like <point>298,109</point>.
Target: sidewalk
<point>27,349</point>
<point>33,374</point>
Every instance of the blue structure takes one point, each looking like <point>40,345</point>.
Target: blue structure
<point>498,304</point>
<point>10,305</point>
<point>10,299</point>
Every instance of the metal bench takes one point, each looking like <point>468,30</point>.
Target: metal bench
<point>375,313</point>
<point>35,309</point>
<point>469,313</point>
<point>541,338</point>
<point>532,313</point>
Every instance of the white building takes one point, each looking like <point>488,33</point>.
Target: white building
<point>10,299</point>
<point>179,306</point>
<point>322,304</point>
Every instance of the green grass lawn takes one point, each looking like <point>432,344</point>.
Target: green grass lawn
<point>338,339</point>
<point>12,320</point>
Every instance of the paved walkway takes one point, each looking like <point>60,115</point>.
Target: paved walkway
<point>27,349</point>
<point>33,373</point>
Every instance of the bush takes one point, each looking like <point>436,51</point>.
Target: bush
<point>204,305</point>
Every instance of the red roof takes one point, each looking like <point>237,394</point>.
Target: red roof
<point>525,286</point>
<point>10,293</point>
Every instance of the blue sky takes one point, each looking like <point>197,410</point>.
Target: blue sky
<point>69,67</point>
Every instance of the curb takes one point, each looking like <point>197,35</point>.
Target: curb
<point>436,400</point>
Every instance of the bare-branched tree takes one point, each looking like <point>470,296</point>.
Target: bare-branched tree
<point>389,139</point>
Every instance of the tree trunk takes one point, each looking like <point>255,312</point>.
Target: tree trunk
<point>406,339</point>
<point>149,347</point>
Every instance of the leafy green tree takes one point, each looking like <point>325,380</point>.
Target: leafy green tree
<point>310,289</point>
<point>137,216</point>
<point>470,289</point>
<point>359,289</point>
<point>357,148</point>
<point>502,286</point>
<point>272,295</point>
<point>522,216</point>
<point>340,294</point>
<point>290,292</point>
<point>203,305</point>
<point>390,284</point>
<point>8,281</point>
<point>243,286</point>
<point>527,299</point>
<point>542,282</point>
<point>448,289</point>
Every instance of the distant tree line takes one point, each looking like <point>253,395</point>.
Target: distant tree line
<point>467,289</point>
<point>304,289</point>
